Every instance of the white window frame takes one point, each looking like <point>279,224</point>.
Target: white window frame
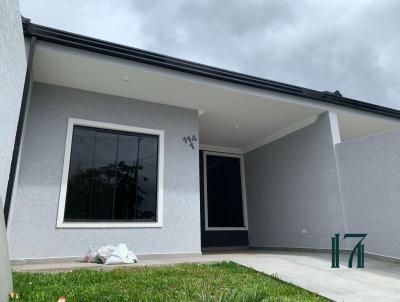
<point>243,183</point>
<point>64,179</point>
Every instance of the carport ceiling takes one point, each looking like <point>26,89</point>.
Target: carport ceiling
<point>230,115</point>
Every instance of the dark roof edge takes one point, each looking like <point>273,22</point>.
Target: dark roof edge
<point>138,55</point>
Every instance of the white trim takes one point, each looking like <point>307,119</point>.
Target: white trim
<point>221,149</point>
<point>64,179</point>
<point>281,133</point>
<point>244,200</point>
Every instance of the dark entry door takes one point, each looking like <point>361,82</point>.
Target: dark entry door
<point>224,212</point>
<point>224,201</point>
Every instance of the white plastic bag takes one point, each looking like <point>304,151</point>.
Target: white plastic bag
<point>105,252</point>
<point>90,255</point>
<point>112,255</point>
<point>121,255</point>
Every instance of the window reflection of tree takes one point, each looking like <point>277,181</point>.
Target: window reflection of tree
<point>131,197</point>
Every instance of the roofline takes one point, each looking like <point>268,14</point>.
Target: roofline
<point>56,36</point>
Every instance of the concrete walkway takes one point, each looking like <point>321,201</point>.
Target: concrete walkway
<point>379,281</point>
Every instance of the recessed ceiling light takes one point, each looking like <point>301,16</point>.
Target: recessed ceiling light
<point>237,127</point>
<point>126,78</point>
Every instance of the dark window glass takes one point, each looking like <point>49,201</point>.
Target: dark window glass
<point>224,192</point>
<point>147,179</point>
<point>112,176</point>
<point>103,176</point>
<point>126,175</point>
<point>80,174</point>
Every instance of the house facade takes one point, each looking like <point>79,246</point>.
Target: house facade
<point>172,157</point>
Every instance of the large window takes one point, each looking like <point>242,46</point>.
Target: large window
<point>113,176</point>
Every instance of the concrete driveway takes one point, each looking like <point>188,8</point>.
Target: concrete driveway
<point>378,281</point>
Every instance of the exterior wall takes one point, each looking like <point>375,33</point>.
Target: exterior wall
<point>293,185</point>
<point>369,170</point>
<point>12,77</point>
<point>33,231</point>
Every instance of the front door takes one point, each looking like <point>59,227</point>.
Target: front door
<point>224,201</point>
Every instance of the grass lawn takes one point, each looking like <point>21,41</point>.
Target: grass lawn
<point>186,282</point>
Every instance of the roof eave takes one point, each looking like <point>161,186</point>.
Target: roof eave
<point>68,39</point>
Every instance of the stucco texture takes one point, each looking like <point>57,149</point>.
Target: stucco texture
<point>369,170</point>
<point>292,188</point>
<point>12,77</point>
<point>33,223</point>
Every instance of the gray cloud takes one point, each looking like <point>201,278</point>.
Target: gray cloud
<point>352,46</point>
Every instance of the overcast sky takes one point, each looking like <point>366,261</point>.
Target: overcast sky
<point>352,46</point>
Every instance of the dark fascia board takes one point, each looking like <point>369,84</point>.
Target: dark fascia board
<point>68,39</point>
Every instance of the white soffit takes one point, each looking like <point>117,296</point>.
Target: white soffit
<point>232,116</point>
<point>355,125</point>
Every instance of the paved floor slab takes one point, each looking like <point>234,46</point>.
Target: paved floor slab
<point>378,281</point>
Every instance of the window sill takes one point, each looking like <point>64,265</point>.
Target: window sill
<point>108,225</point>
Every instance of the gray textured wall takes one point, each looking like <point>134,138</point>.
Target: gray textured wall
<point>292,184</point>
<point>370,175</point>
<point>32,230</point>
<point>12,76</point>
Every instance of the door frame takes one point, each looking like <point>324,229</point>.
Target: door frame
<point>243,183</point>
